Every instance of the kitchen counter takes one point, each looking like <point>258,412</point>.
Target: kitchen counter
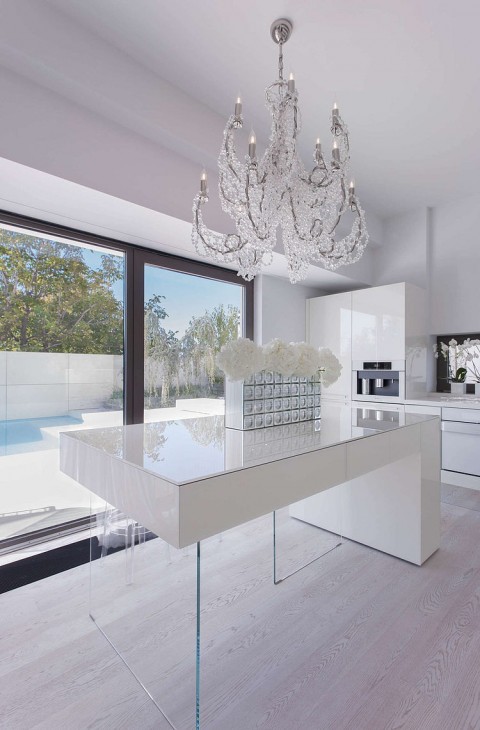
<point>445,400</point>
<point>191,479</point>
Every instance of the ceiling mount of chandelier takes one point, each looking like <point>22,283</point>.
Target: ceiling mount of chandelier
<point>277,190</point>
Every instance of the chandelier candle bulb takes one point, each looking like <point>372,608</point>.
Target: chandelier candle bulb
<point>351,188</point>
<point>238,106</point>
<point>335,154</point>
<point>252,145</point>
<point>318,145</point>
<point>291,83</point>
<point>335,112</point>
<point>203,182</point>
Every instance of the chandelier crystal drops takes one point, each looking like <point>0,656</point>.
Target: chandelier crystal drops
<point>277,190</point>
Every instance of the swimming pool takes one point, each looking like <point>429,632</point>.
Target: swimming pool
<point>33,434</point>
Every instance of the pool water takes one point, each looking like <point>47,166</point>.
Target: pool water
<point>29,434</point>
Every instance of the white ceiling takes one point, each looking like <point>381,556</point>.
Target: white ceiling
<point>404,74</point>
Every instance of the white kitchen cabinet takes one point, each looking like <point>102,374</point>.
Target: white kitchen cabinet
<point>329,324</point>
<point>424,410</point>
<point>378,323</point>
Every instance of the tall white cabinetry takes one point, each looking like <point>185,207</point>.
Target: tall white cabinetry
<point>329,324</point>
<point>379,324</point>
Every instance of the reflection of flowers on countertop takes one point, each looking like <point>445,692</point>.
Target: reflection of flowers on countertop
<point>241,358</point>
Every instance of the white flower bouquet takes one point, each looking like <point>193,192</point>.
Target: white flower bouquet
<point>281,382</point>
<point>240,359</point>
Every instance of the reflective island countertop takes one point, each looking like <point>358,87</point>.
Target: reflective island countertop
<point>193,449</point>
<point>188,480</point>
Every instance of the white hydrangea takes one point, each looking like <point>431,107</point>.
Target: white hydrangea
<point>280,357</point>
<point>330,366</point>
<point>240,358</point>
<point>308,359</point>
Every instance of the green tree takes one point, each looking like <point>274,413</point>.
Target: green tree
<point>204,337</point>
<point>161,351</point>
<point>52,301</point>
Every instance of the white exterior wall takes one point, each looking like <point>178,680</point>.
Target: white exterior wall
<point>38,384</point>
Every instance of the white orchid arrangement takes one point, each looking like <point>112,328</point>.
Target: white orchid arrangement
<point>239,359</point>
<point>471,351</point>
<point>460,358</point>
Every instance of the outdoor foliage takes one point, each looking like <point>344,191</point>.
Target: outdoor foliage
<point>52,301</point>
<point>186,363</point>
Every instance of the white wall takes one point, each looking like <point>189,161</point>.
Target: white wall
<point>39,384</point>
<point>438,250</point>
<point>455,267</point>
<point>403,257</point>
<point>280,309</point>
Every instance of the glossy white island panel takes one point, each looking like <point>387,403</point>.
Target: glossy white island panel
<point>394,505</point>
<point>191,479</point>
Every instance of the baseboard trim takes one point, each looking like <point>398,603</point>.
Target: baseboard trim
<point>460,480</point>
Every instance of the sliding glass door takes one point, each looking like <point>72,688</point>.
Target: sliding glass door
<point>94,333</point>
<point>61,368</point>
<point>187,319</point>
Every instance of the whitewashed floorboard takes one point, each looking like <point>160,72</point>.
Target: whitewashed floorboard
<point>356,641</point>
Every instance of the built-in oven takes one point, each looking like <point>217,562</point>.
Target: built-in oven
<point>379,381</point>
<point>461,440</point>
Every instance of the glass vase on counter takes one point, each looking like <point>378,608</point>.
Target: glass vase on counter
<point>268,399</point>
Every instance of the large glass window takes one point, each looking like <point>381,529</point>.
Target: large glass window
<point>187,319</point>
<point>61,367</point>
<point>95,332</point>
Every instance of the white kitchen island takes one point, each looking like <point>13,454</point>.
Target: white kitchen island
<point>190,480</point>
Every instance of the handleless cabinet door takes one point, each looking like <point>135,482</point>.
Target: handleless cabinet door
<point>391,322</point>
<point>378,323</point>
<point>329,325</point>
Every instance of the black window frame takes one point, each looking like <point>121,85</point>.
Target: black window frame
<point>133,377</point>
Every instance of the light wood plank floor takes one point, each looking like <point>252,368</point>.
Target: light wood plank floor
<point>358,640</point>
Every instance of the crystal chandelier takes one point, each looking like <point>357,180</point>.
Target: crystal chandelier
<point>277,190</point>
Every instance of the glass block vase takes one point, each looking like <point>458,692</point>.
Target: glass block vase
<point>269,399</point>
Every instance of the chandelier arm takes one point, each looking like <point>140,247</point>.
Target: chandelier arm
<point>343,251</point>
<point>343,206</point>
<point>307,178</point>
<point>229,147</point>
<point>225,241</point>
<point>325,182</point>
<point>261,237</point>
<point>298,233</point>
<point>223,194</point>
